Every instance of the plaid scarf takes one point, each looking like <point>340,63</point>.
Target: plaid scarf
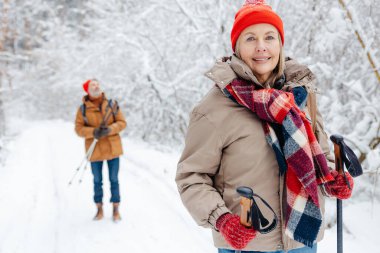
<point>300,157</point>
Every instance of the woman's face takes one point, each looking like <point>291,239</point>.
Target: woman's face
<point>259,47</point>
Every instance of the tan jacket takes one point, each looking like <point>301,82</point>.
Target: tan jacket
<point>225,148</point>
<point>108,147</point>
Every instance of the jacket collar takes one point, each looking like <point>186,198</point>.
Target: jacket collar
<point>227,69</point>
<point>86,100</point>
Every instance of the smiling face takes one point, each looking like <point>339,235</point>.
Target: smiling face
<point>259,47</point>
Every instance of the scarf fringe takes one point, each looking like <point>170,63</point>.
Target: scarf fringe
<point>304,241</point>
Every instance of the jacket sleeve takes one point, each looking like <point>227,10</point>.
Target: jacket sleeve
<point>119,124</point>
<point>80,128</point>
<point>198,164</point>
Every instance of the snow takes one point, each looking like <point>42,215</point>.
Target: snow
<point>361,228</point>
<point>151,56</point>
<point>41,213</point>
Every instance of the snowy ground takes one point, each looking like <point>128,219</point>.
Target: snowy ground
<point>40,213</point>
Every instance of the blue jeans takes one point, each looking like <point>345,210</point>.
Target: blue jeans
<point>113,170</point>
<point>300,250</point>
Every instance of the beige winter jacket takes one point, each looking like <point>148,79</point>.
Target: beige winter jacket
<point>225,148</point>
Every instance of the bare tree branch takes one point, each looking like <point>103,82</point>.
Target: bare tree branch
<point>360,39</point>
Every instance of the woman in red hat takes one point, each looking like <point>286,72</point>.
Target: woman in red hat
<point>259,127</point>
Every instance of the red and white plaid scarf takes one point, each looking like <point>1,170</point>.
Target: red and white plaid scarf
<point>306,165</point>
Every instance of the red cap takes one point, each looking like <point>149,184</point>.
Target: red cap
<point>255,12</point>
<point>85,85</point>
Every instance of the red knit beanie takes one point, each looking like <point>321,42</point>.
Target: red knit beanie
<point>255,12</point>
<point>85,85</point>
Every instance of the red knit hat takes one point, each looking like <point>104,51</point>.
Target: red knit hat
<point>255,12</point>
<point>85,85</point>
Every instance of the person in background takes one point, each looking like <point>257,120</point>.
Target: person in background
<point>100,118</point>
<point>258,127</point>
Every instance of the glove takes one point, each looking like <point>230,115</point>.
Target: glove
<point>233,232</point>
<point>101,132</point>
<point>339,188</point>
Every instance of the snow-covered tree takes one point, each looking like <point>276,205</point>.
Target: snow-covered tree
<point>151,56</point>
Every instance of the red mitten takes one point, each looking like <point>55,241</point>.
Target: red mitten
<point>233,232</point>
<point>339,188</point>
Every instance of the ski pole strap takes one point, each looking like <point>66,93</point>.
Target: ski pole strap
<point>259,222</point>
<point>113,107</point>
<point>348,156</point>
<point>350,160</point>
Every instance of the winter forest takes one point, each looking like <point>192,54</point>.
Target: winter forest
<point>151,57</point>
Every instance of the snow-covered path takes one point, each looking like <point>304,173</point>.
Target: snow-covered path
<point>40,213</point>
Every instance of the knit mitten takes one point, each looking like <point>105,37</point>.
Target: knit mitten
<point>233,232</point>
<point>339,188</point>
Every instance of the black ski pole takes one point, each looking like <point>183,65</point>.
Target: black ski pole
<point>251,215</point>
<point>344,156</point>
<point>339,207</point>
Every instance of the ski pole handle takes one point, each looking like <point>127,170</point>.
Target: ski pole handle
<point>245,214</point>
<point>337,139</point>
<point>344,156</point>
<point>246,202</point>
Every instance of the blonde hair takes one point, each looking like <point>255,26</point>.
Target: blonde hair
<point>277,72</point>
